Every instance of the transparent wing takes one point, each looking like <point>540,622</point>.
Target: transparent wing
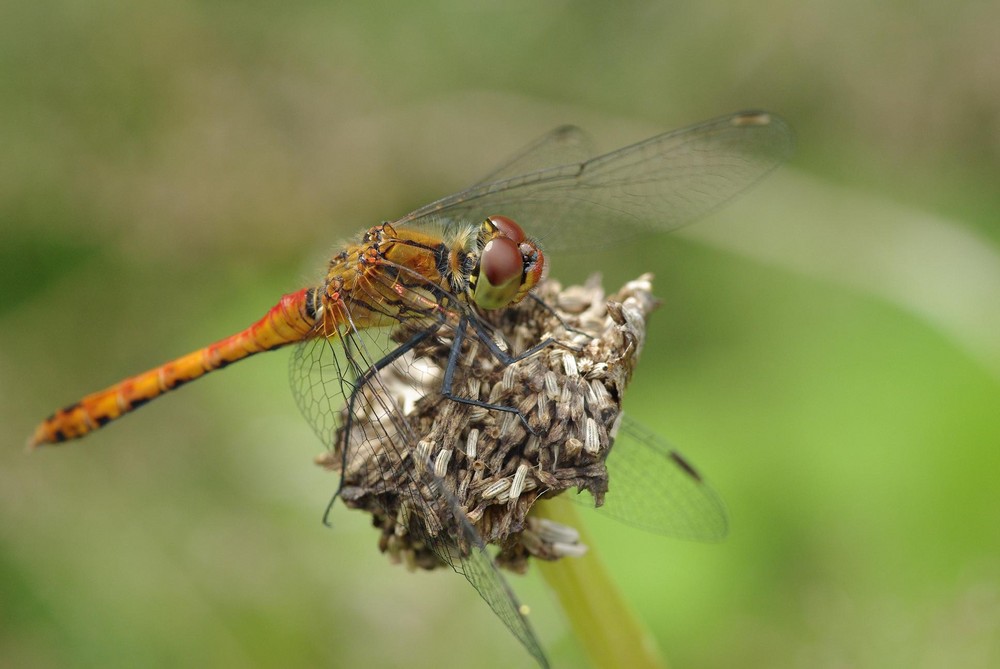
<point>366,378</point>
<point>479,568</point>
<point>652,487</point>
<point>661,183</point>
<point>565,145</point>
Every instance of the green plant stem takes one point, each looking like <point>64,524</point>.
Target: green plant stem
<point>609,632</point>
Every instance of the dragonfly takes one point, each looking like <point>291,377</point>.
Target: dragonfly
<point>434,284</point>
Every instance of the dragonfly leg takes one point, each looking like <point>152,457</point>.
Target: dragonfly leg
<point>504,357</point>
<point>447,383</point>
<point>359,385</point>
<point>498,353</point>
<point>566,326</point>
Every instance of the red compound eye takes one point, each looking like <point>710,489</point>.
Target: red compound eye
<point>501,261</point>
<point>508,228</point>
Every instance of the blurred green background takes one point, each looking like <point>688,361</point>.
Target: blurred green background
<point>827,352</point>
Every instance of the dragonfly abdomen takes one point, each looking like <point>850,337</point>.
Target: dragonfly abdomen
<point>292,319</point>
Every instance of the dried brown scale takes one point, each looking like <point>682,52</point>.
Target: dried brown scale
<point>570,394</point>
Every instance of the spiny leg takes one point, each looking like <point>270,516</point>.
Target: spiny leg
<point>566,326</point>
<point>358,386</point>
<point>502,356</point>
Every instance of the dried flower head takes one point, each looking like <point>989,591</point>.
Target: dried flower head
<point>445,465</point>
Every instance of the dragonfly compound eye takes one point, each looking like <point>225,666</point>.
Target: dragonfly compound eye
<point>508,228</point>
<point>501,269</point>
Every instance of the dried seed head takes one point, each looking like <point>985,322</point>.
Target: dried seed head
<point>434,465</point>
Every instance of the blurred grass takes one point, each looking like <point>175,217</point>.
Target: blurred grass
<point>171,168</point>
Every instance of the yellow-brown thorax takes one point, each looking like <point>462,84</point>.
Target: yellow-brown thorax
<point>397,274</point>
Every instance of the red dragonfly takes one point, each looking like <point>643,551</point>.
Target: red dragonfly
<point>436,274</point>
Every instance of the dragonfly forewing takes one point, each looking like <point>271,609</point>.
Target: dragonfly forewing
<point>658,184</point>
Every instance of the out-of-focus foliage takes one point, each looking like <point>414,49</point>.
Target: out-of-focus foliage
<point>170,168</point>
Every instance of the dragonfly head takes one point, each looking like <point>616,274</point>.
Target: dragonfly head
<point>509,264</point>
